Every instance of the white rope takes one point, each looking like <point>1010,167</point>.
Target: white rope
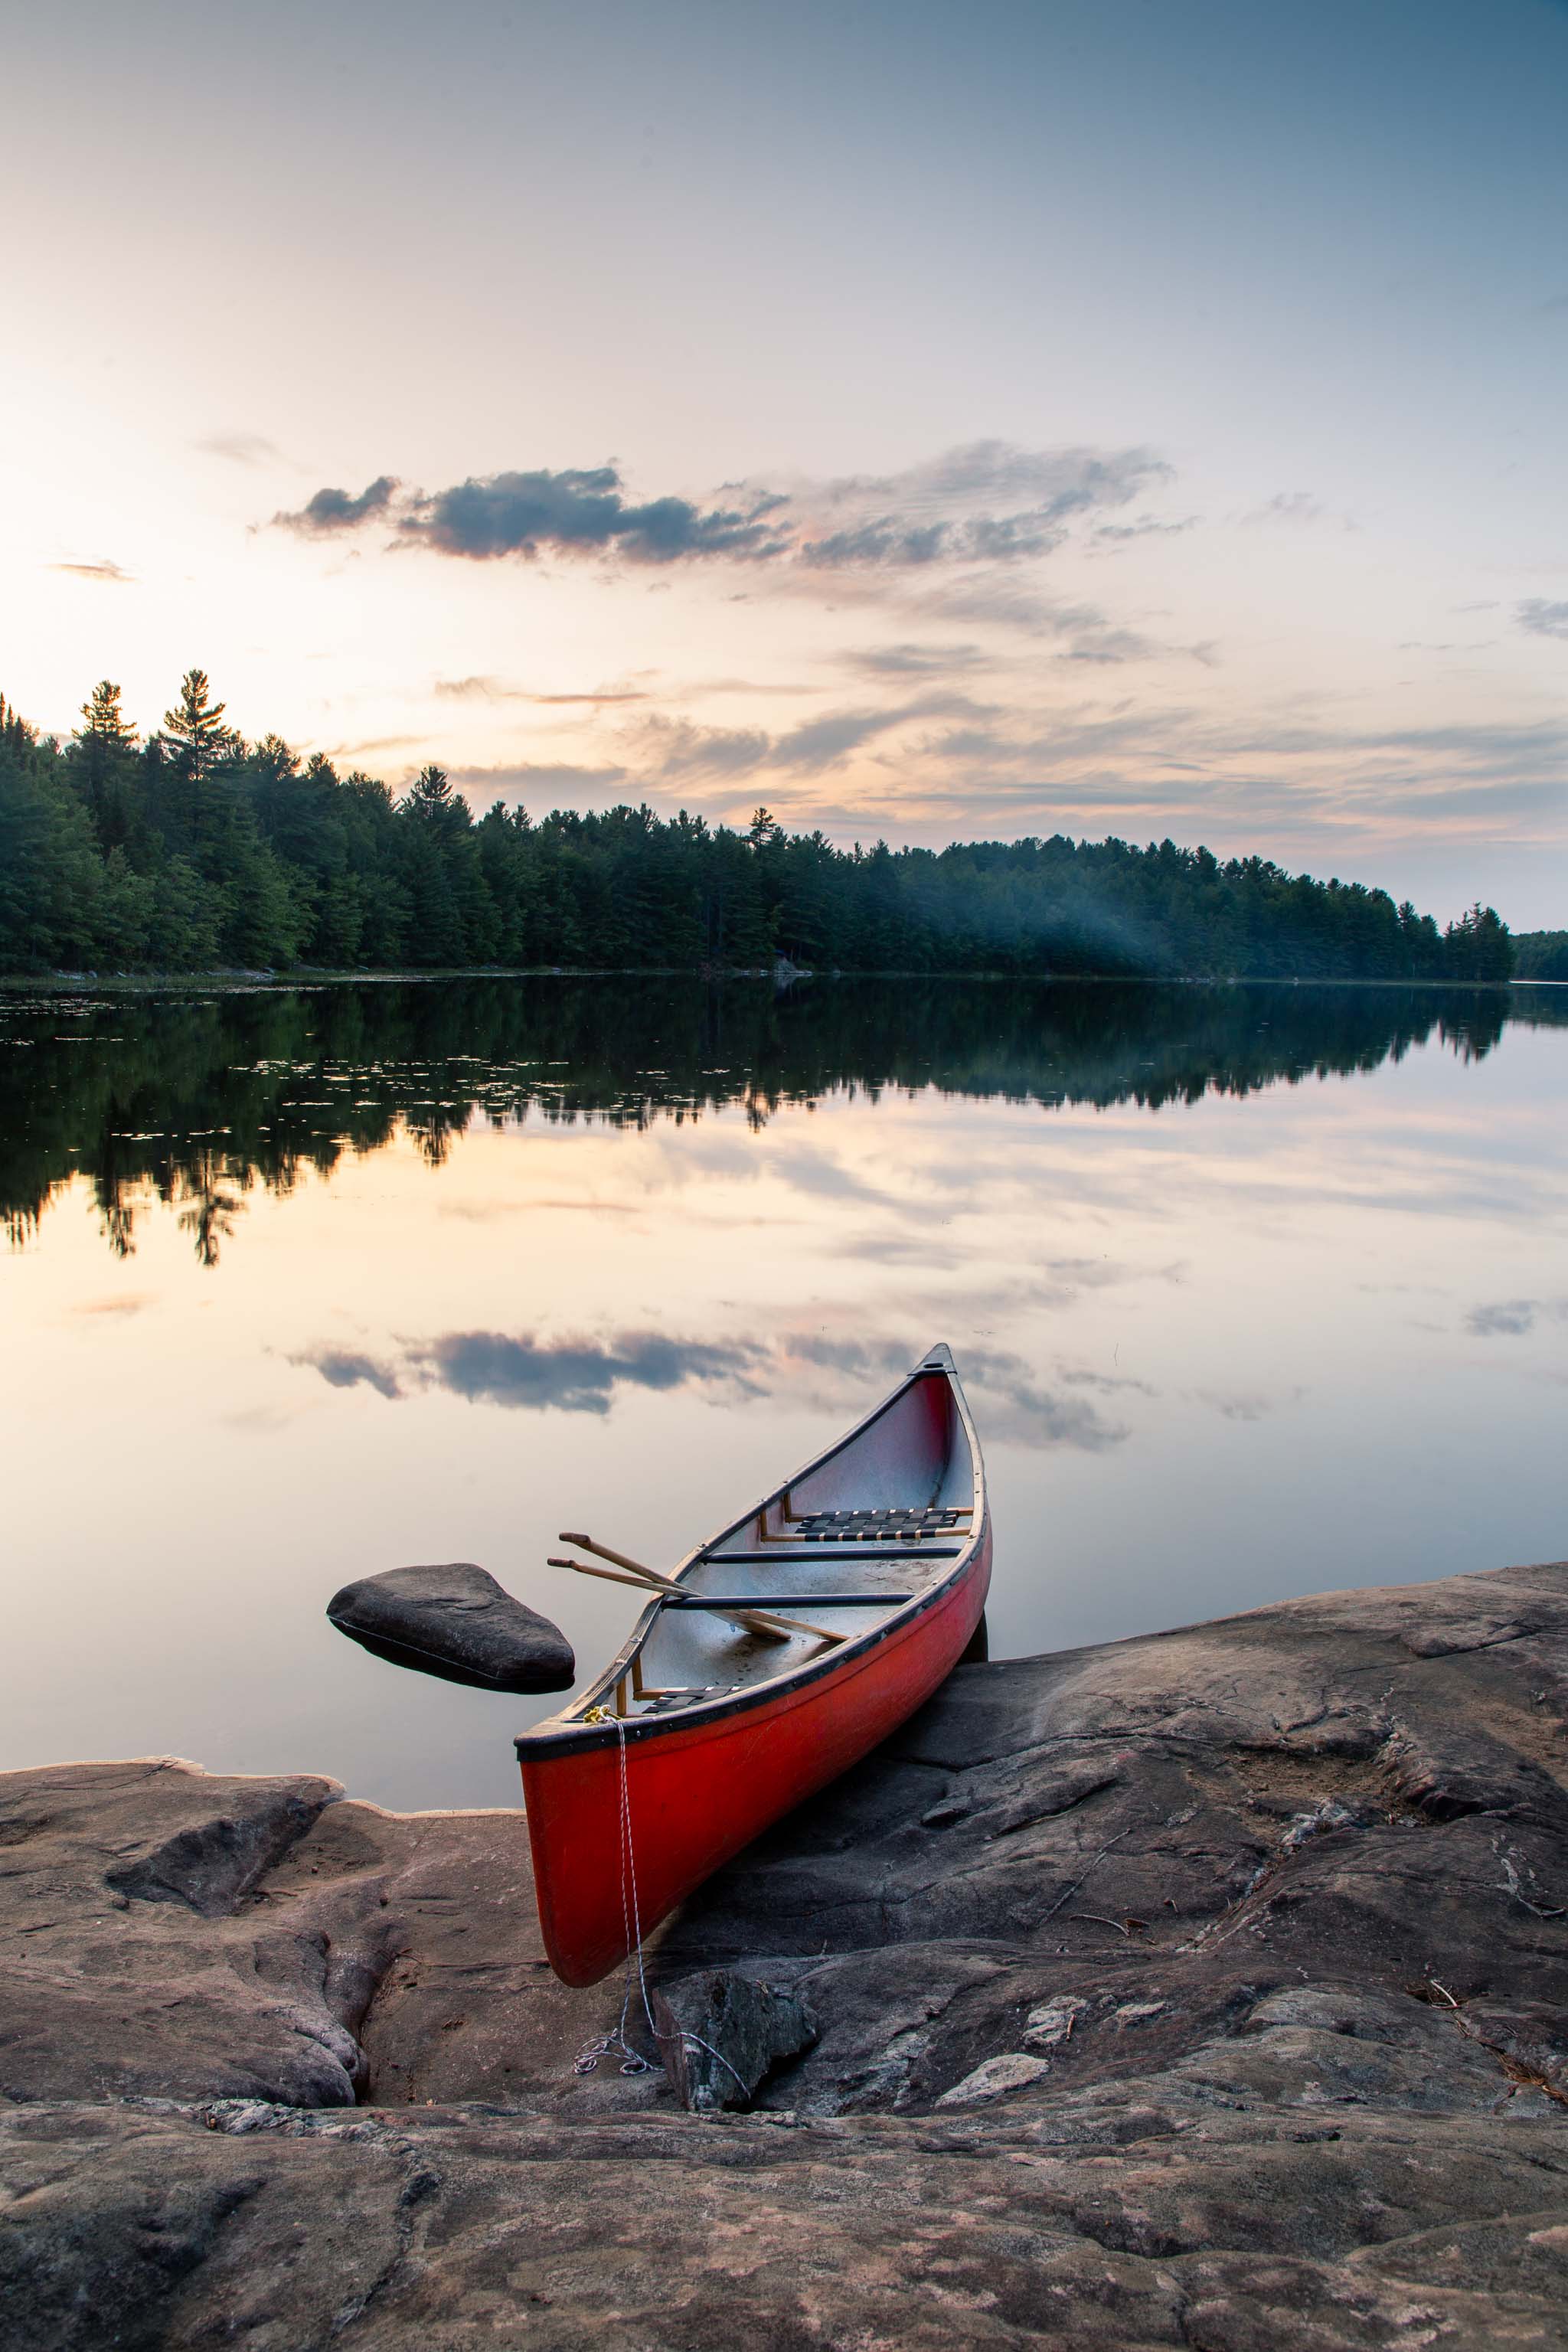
<point>632,2061</point>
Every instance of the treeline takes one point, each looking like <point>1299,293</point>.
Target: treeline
<point>1541,955</point>
<point>195,851</point>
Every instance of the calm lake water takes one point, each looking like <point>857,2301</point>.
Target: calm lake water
<point>1255,1291</point>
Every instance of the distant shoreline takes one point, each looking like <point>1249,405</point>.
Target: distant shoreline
<point>234,979</point>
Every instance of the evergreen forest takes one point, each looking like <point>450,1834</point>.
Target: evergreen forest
<point>1541,955</point>
<point>195,851</point>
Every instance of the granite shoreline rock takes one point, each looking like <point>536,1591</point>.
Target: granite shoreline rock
<point>1245,1948</point>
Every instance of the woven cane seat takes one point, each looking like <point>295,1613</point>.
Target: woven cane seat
<point>897,1527</point>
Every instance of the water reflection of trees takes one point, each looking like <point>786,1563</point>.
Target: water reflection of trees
<point>195,1100</point>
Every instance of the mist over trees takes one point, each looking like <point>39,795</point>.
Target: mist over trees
<point>196,850</point>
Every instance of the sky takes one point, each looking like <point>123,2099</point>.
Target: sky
<point>1134,416</point>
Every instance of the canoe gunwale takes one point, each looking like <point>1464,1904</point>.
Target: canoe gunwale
<point>560,1736</point>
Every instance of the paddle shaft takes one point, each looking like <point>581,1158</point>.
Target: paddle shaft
<point>754,1620</point>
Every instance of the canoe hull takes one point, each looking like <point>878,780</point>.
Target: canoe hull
<point>702,1790</point>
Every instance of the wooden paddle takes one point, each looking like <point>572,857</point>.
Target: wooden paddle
<point>761,1623</point>
<point>755,1620</point>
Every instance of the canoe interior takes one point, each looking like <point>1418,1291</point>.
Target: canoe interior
<point>912,1458</point>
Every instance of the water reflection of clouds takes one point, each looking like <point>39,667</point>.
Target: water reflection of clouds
<point>822,1177</point>
<point>587,1204</point>
<point>1510,1319</point>
<point>520,1372</point>
<point>569,1375</point>
<point>343,1368</point>
<point>1007,1387</point>
<point>1085,1376</point>
<point>1009,1396</point>
<point>1249,1404</point>
<point>1020,1409</point>
<point>575,1376</point>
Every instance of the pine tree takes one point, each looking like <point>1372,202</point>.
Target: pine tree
<point>1479,946</point>
<point>195,730</point>
<point>432,797</point>
<point>103,761</point>
<point>106,722</point>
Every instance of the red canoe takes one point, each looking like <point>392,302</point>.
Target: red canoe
<point>883,1544</point>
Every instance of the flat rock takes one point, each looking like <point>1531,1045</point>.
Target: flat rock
<point>1275,1911</point>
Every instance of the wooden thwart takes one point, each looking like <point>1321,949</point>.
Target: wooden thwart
<point>766,1622</point>
<point>720,1602</point>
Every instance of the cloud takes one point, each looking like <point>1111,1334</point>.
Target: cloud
<point>988,503</point>
<point>679,749</point>
<point>1164,762</point>
<point>1145,526</point>
<point>697,689</point>
<point>999,599</point>
<point>496,690</point>
<point>525,777</point>
<point>1289,506</point>
<point>676,750</point>
<point>331,510</point>
<point>365,749</point>
<point>1541,617</point>
<point>577,511</point>
<point>104,570</point>
<point>821,742</point>
<point>242,449</point>
<point>985,596</point>
<point>1107,644</point>
<point>914,661</point>
<point>477,689</point>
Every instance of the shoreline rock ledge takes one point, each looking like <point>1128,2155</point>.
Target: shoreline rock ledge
<point>1208,1989</point>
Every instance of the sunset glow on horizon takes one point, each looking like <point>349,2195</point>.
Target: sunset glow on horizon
<point>935,426</point>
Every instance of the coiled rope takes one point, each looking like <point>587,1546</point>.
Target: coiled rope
<point>608,2044</point>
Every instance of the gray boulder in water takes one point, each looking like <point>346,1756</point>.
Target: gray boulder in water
<point>456,1623</point>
